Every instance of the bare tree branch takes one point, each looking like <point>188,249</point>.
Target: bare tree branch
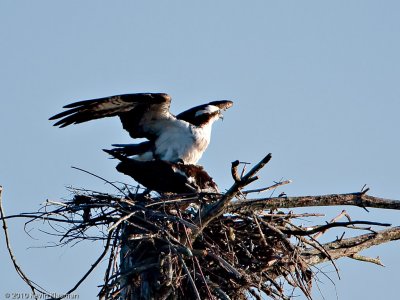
<point>353,199</point>
<point>351,246</point>
<point>323,228</point>
<point>32,285</point>
<point>372,260</point>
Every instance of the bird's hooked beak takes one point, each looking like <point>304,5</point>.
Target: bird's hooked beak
<point>221,115</point>
<point>223,105</point>
<point>218,114</point>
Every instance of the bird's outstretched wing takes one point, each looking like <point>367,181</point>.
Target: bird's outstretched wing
<point>140,114</point>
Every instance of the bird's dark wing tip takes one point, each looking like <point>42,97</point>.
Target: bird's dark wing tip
<point>62,123</point>
<point>59,124</point>
<point>57,116</point>
<point>107,151</point>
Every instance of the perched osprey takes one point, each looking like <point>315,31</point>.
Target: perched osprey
<point>182,138</point>
<point>165,176</point>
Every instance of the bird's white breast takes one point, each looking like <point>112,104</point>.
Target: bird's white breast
<point>181,141</point>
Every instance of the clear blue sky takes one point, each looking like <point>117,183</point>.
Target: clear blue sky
<point>314,82</point>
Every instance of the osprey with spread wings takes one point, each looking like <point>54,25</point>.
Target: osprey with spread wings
<point>178,139</point>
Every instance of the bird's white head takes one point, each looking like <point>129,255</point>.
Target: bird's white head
<point>205,114</point>
<point>212,111</point>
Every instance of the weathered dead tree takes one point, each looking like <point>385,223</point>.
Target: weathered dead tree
<point>209,246</point>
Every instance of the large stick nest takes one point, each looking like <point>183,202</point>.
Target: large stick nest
<point>203,246</point>
<point>152,242</point>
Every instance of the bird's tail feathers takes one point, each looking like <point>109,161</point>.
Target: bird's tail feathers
<point>116,154</point>
<point>133,149</point>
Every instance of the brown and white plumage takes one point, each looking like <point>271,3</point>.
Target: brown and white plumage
<point>181,138</point>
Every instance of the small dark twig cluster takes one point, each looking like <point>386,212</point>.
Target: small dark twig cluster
<point>205,246</point>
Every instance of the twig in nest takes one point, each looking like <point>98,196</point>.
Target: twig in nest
<point>260,230</point>
<point>338,217</point>
<point>190,278</point>
<point>111,228</point>
<point>105,180</point>
<point>274,186</point>
<point>99,259</point>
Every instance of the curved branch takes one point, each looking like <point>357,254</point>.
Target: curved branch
<point>321,228</point>
<point>93,266</point>
<point>33,286</point>
<point>351,246</point>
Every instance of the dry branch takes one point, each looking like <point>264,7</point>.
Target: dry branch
<point>35,288</point>
<point>354,199</point>
<point>352,246</point>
